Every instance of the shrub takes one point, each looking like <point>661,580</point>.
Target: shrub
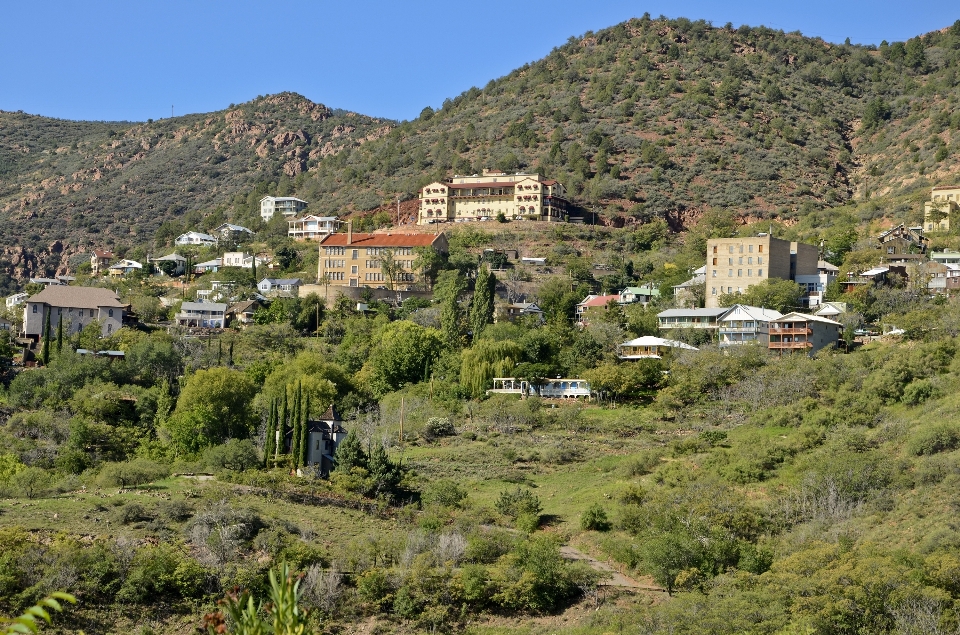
<point>595,519</point>
<point>438,427</point>
<point>519,501</point>
<point>940,437</point>
<point>131,513</point>
<point>445,493</point>
<point>235,454</point>
<point>646,462</point>
<point>31,482</point>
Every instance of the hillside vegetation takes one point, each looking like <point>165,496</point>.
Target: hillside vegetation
<point>647,119</point>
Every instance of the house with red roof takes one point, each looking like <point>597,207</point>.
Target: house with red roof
<point>593,305</point>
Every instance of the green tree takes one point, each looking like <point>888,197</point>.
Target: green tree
<point>481,309</point>
<point>45,353</point>
<point>60,334</point>
<point>214,406</point>
<point>773,293</point>
<point>350,454</point>
<point>390,267</point>
<point>402,355</point>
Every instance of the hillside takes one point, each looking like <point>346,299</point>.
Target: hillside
<point>646,119</point>
<point>69,186</point>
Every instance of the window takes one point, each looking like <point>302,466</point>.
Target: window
<point>750,249</point>
<point>714,261</point>
<point>759,260</point>
<point>741,249</point>
<point>739,273</point>
<point>714,273</point>
<point>740,260</point>
<point>731,249</point>
<point>760,272</point>
<point>34,308</point>
<point>760,248</point>
<point>750,260</point>
<point>729,273</point>
<point>713,291</point>
<point>353,269</point>
<point>729,289</point>
<point>714,249</point>
<point>110,312</point>
<point>355,255</point>
<point>749,273</point>
<point>729,261</point>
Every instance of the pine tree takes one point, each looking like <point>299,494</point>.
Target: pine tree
<point>60,335</point>
<point>481,310</point>
<point>45,355</point>
<point>350,454</point>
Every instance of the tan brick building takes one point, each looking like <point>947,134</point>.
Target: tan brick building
<point>944,200</point>
<point>733,264</point>
<point>477,198</point>
<point>354,260</point>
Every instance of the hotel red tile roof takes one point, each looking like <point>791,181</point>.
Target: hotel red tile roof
<point>381,240</point>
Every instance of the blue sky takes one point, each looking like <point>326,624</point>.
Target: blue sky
<point>132,60</point>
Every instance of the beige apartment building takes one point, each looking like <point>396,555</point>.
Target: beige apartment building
<point>354,259</point>
<point>733,264</point>
<point>483,197</point>
<point>944,200</point>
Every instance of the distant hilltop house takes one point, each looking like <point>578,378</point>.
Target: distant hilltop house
<point>208,266</point>
<point>354,260</point>
<point>594,305</point>
<point>743,323</point>
<point>196,238</point>
<point>78,306</point>
<point>323,436</point>
<point>814,286</point>
<point>241,259</point>
<point>643,295</point>
<point>286,205</point>
<point>944,200</point>
<point>100,260</point>
<point>228,231</point>
<point>484,197</point>
<point>518,310</point>
<point>903,244</point>
<point>734,264</point>
<point>16,299</point>
<point>311,227</point>
<point>124,267</point>
<point>797,332</point>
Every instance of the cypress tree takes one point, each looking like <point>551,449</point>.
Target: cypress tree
<point>253,269</point>
<point>305,432</point>
<point>295,436</point>
<point>45,354</point>
<point>60,335</point>
<point>219,351</point>
<point>481,309</point>
<point>284,412</point>
<point>230,355</point>
<point>270,440</point>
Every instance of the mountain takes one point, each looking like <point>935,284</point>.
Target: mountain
<point>69,186</point>
<point>646,119</point>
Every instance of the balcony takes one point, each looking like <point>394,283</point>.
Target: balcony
<point>791,331</point>
<point>738,329</point>
<point>790,345</point>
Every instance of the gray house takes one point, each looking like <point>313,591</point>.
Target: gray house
<point>277,286</point>
<point>202,314</point>
<point>78,306</point>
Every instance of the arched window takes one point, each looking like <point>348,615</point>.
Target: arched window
<point>110,312</point>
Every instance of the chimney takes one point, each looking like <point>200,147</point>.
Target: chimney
<point>349,232</point>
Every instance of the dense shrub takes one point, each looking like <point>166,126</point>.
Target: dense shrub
<point>938,437</point>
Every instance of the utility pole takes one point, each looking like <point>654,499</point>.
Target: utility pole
<point>398,211</point>
<point>171,111</point>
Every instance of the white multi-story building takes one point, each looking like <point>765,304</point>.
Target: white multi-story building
<point>16,298</point>
<point>288,206</point>
<point>311,227</point>
<point>196,238</point>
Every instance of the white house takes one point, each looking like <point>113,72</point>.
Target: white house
<point>311,227</point>
<point>550,388</point>
<point>643,295</point>
<point>209,265</point>
<point>286,205</point>
<point>196,238</point>
<point>743,323</point>
<point>279,285</point>
<point>202,314</point>
<point>16,298</point>
<point>227,231</point>
<point>815,285</point>
<point>242,259</point>
<point>323,437</point>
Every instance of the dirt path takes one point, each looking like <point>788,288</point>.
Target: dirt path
<point>616,578</point>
